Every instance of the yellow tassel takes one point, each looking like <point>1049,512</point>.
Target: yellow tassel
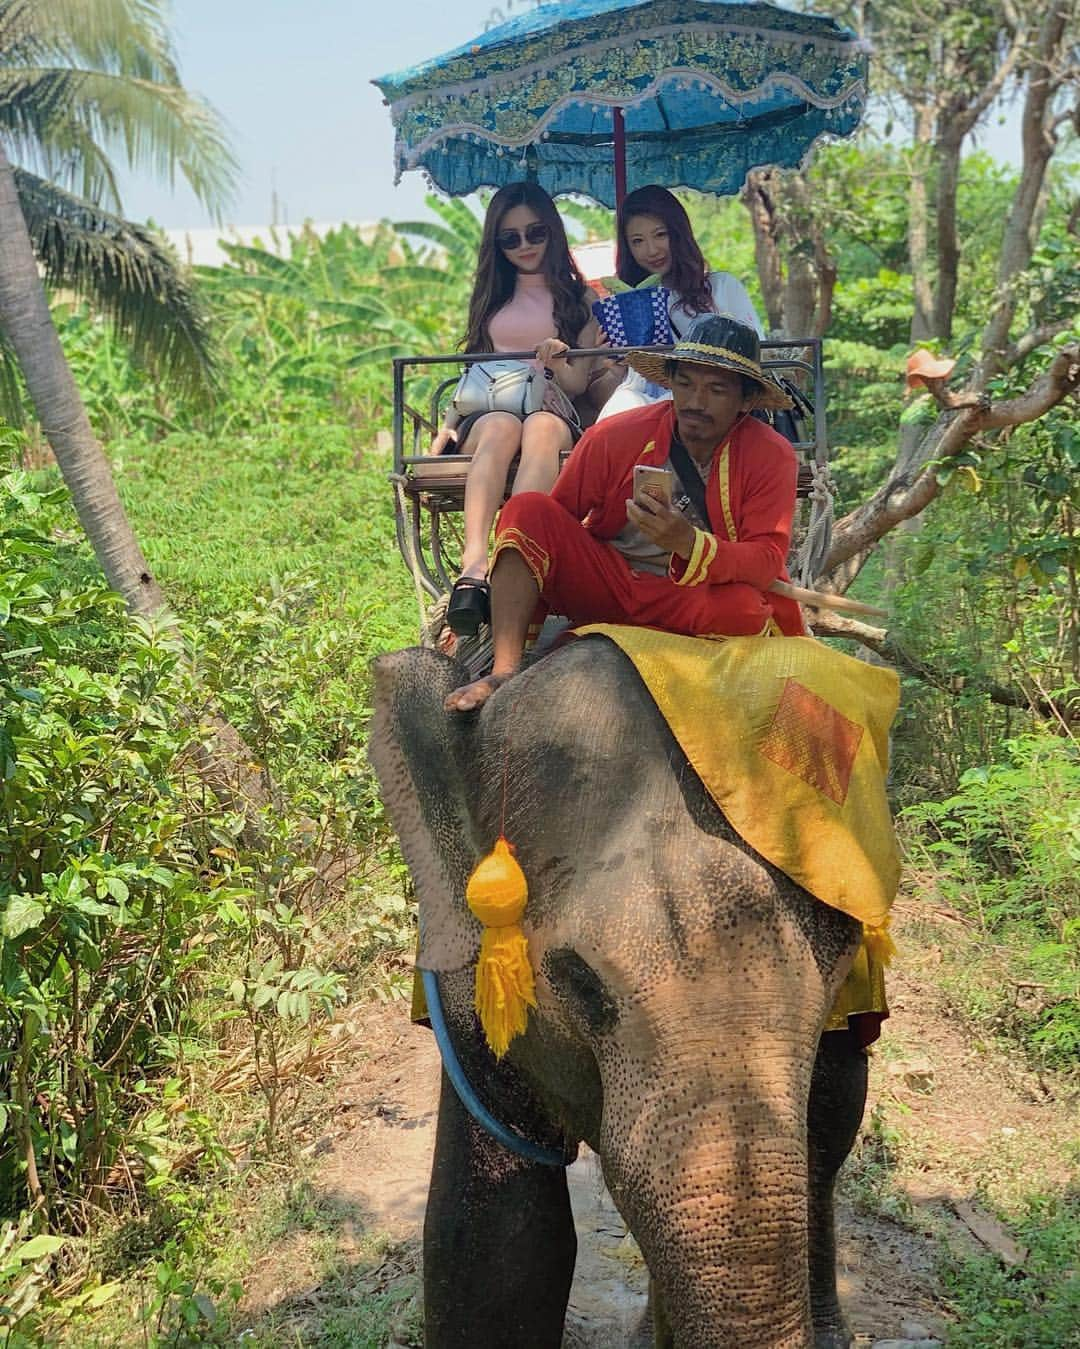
<point>497,894</point>
<point>879,943</point>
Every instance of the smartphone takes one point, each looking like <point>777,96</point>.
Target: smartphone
<point>652,482</point>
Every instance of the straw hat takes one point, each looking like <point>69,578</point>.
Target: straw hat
<point>715,340</point>
<point>923,365</point>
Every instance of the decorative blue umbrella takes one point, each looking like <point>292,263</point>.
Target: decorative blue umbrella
<point>584,95</point>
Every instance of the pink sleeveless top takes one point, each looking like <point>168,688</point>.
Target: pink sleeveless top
<point>527,318</point>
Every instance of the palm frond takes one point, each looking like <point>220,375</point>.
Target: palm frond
<point>74,72</point>
<point>157,127</point>
<point>128,35</point>
<point>66,154</point>
<point>125,272</point>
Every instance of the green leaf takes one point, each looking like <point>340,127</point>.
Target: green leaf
<point>921,412</point>
<point>39,1246</point>
<point>117,888</point>
<point>21,914</point>
<point>206,1308</point>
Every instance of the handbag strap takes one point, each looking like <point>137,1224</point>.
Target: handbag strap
<point>689,477</point>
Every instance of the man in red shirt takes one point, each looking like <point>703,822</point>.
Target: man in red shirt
<point>597,553</point>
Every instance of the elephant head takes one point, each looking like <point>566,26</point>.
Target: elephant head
<point>682,983</point>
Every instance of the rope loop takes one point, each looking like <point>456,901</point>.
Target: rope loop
<point>815,546</point>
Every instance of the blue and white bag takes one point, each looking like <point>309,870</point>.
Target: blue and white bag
<point>636,318</point>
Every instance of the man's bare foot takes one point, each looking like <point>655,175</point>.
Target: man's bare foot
<point>474,695</point>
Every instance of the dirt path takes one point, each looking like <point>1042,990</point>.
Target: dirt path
<point>962,1109</point>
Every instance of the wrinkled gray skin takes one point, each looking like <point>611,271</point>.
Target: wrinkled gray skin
<point>682,986</point>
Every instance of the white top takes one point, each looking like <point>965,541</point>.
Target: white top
<point>729,297</point>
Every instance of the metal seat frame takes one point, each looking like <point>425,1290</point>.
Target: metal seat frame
<point>430,493</point>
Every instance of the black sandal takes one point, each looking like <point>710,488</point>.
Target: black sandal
<point>469,607</point>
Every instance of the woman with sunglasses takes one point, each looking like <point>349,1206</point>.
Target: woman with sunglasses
<point>654,236</point>
<point>528,296</point>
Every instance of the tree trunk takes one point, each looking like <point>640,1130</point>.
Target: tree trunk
<point>919,227</point>
<point>757,197</point>
<point>800,294</point>
<point>811,271</point>
<point>226,763</point>
<point>948,245</point>
<point>826,278</point>
<point>28,325</point>
<point>1038,141</point>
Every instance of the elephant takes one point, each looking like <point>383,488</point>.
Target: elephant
<point>682,984</point>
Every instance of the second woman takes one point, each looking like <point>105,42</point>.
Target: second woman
<point>655,236</point>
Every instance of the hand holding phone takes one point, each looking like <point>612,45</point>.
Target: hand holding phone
<point>652,482</point>
<point>651,511</point>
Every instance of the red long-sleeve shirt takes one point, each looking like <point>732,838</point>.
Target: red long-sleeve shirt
<point>750,508</point>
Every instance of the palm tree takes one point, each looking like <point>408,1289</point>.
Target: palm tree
<point>81,80</point>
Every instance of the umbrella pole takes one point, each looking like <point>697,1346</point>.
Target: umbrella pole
<point>619,128</point>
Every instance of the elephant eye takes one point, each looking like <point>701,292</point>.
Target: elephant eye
<point>577,982</point>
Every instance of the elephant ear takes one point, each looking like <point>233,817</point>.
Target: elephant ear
<point>422,758</point>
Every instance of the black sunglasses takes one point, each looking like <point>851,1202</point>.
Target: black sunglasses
<point>508,240</point>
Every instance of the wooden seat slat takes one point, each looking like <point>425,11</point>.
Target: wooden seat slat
<point>444,475</point>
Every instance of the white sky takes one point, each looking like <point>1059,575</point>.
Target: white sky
<point>290,77</point>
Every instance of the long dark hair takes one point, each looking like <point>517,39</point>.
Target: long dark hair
<point>688,275</point>
<point>496,276</point>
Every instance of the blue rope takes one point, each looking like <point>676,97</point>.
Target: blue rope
<point>532,1152</point>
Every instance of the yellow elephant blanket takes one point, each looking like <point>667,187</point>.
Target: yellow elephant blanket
<point>790,739</point>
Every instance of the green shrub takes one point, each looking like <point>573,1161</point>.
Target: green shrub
<point>1004,850</point>
<point>107,870</point>
<point>127,892</point>
<point>1035,1306</point>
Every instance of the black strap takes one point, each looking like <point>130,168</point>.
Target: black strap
<point>689,477</point>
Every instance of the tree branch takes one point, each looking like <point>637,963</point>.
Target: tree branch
<point>1000,78</point>
<point>890,649</point>
<point>1038,140</point>
<point>905,495</point>
<point>1024,346</point>
<point>1061,381</point>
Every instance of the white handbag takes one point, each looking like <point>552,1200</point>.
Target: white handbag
<point>500,386</point>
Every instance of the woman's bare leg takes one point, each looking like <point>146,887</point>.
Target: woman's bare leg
<point>494,441</point>
<point>543,438</point>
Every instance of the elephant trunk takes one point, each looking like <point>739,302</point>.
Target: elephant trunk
<point>722,1223</point>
